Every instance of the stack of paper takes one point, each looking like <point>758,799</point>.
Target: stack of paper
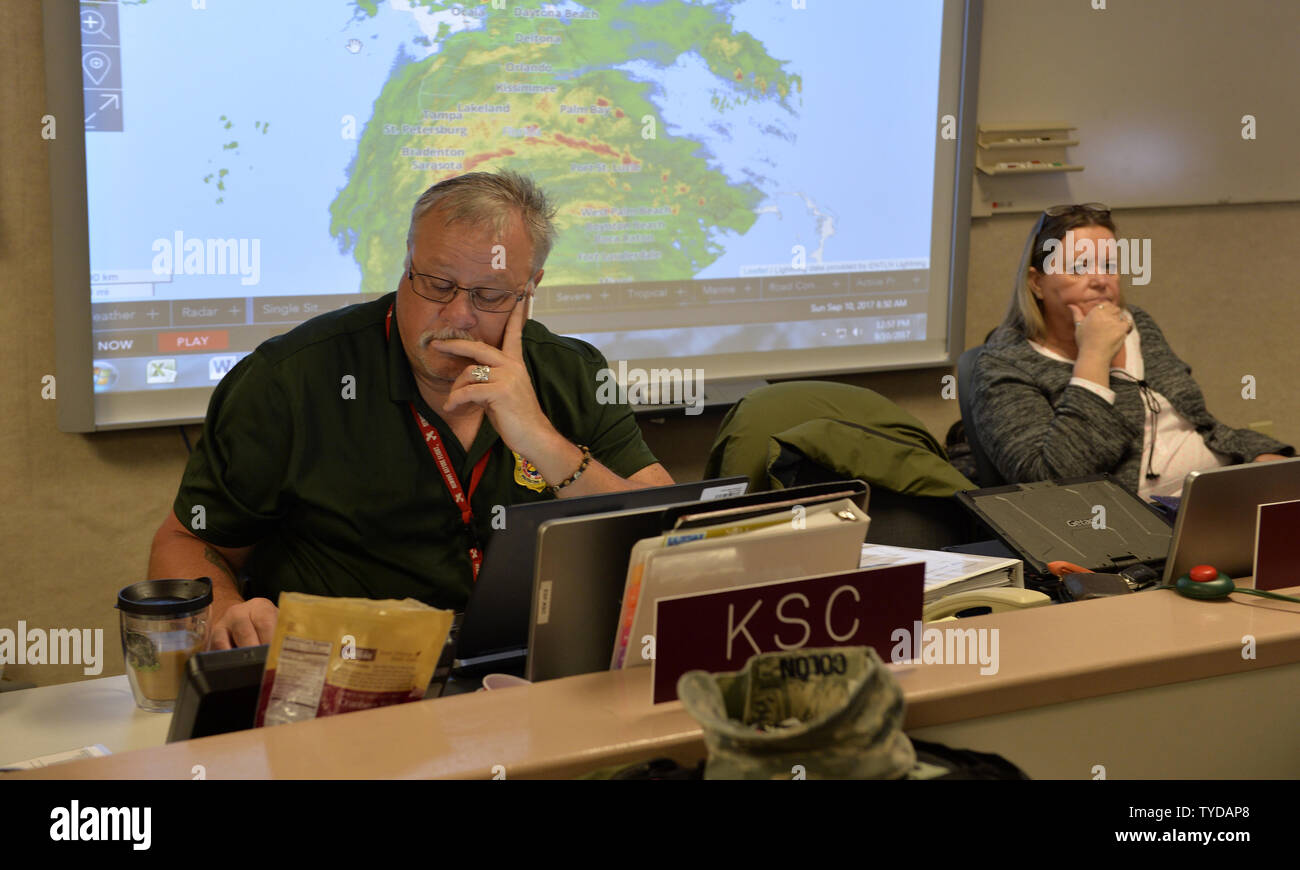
<point>96,751</point>
<point>948,573</point>
<point>782,545</point>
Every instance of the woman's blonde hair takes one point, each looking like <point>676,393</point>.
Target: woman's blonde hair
<point>1025,313</point>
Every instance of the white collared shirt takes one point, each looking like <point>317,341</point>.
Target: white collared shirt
<point>1179,448</point>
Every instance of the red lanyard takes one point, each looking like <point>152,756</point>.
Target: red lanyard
<point>434,442</point>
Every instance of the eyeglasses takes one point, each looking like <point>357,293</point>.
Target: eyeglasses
<point>1043,230</point>
<point>1096,208</point>
<point>440,290</point>
<point>1084,266</point>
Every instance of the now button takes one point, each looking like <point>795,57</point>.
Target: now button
<point>217,339</point>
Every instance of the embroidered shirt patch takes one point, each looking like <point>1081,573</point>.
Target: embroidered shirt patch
<point>527,475</point>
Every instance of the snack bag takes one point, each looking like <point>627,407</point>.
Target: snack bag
<point>336,655</point>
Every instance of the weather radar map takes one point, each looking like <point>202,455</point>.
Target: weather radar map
<point>553,90</point>
<point>720,169</point>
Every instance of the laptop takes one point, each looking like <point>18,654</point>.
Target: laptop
<point>1089,521</point>
<point>1216,519</point>
<point>586,558</point>
<point>493,635</point>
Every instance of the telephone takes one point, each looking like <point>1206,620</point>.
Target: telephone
<point>999,599</point>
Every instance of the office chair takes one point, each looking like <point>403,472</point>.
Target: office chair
<point>985,471</point>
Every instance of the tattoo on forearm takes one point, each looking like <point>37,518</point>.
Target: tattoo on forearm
<point>217,559</point>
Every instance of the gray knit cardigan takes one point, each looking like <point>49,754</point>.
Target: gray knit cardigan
<point>1035,425</point>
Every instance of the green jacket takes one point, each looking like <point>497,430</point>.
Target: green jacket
<point>850,431</point>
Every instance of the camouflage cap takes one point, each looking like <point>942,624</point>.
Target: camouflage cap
<point>834,713</point>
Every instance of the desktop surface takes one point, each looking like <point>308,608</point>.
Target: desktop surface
<point>1097,654</point>
<point>53,719</point>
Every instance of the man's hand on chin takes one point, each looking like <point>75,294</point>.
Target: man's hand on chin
<point>511,405</point>
<point>507,397</point>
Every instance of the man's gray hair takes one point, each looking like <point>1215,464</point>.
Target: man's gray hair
<point>492,199</point>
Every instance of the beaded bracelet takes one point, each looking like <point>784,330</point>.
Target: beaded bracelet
<point>586,460</point>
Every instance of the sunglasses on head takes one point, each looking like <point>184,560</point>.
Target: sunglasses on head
<point>1089,207</point>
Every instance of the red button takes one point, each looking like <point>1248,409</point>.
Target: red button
<point>1204,573</point>
<point>215,339</point>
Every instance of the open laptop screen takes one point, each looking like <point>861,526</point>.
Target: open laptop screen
<point>495,627</point>
<point>1216,519</point>
<point>589,557</point>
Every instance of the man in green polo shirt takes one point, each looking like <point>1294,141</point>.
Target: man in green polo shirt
<point>367,452</point>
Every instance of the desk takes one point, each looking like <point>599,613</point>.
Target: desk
<point>1126,682</point>
<point>43,721</point>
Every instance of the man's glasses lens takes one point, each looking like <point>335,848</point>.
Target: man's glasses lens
<point>441,291</point>
<point>493,300</point>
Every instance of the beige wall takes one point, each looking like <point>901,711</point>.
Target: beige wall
<point>78,511</point>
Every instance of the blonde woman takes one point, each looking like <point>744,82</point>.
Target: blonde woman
<point>1077,382</point>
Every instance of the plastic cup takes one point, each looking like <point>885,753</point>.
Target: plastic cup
<point>164,622</point>
<point>503,681</point>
